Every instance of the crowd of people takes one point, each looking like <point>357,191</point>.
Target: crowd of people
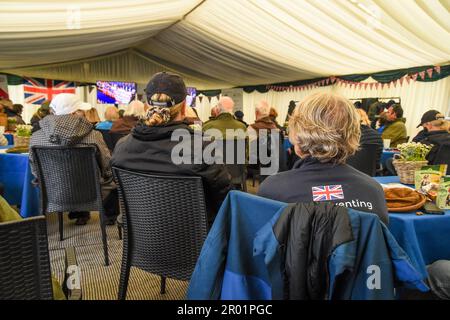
<point>325,130</point>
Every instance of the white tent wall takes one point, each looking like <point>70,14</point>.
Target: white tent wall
<point>416,97</point>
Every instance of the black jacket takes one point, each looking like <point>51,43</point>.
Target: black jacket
<point>149,149</point>
<point>307,234</point>
<point>437,139</point>
<point>371,136</point>
<point>359,191</point>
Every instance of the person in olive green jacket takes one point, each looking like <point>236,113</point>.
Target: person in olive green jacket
<point>225,119</point>
<point>395,128</point>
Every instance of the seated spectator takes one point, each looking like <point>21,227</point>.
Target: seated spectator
<point>16,113</point>
<point>214,113</point>
<point>149,146</point>
<point>111,115</point>
<point>273,116</point>
<point>12,110</point>
<point>225,119</point>
<point>395,129</point>
<point>91,114</point>
<point>325,131</point>
<point>381,122</point>
<point>67,127</point>
<point>40,114</point>
<point>370,136</point>
<point>374,112</point>
<point>427,117</point>
<point>263,120</point>
<point>239,116</point>
<point>192,116</point>
<point>434,123</point>
<point>134,112</point>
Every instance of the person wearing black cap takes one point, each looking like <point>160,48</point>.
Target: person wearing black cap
<point>427,117</point>
<point>239,115</point>
<point>149,146</point>
<point>434,134</point>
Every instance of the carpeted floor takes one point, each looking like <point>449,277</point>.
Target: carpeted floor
<point>99,282</point>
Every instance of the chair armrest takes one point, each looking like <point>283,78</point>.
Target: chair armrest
<point>72,281</point>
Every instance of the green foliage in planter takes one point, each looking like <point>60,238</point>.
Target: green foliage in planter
<point>414,151</point>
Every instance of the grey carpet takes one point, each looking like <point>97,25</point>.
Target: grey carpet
<point>99,282</point>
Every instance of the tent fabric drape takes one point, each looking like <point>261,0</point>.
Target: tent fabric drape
<point>221,44</point>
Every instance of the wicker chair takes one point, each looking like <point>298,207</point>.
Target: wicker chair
<point>165,225</point>
<point>69,181</point>
<point>237,168</point>
<point>24,260</point>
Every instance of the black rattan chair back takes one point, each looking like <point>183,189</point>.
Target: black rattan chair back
<point>236,151</point>
<point>365,160</point>
<point>69,180</point>
<point>68,177</point>
<point>25,272</point>
<point>165,224</point>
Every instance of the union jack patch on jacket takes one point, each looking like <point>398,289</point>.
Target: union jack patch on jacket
<point>326,193</point>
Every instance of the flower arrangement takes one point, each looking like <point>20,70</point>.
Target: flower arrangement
<point>414,151</point>
<point>412,157</point>
<point>23,130</point>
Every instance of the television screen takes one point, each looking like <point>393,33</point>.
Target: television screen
<point>190,98</point>
<point>113,92</point>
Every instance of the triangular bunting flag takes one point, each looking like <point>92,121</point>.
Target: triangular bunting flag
<point>422,75</point>
<point>365,85</point>
<point>438,69</point>
<point>430,73</point>
<point>401,81</point>
<point>408,79</point>
<point>371,85</point>
<point>327,81</point>
<point>414,76</point>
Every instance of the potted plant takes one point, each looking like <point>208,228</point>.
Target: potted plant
<point>22,136</point>
<point>412,157</point>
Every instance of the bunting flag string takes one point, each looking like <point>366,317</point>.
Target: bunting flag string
<point>333,80</point>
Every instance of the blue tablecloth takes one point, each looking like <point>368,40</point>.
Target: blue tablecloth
<point>16,176</point>
<point>424,238</point>
<point>10,138</point>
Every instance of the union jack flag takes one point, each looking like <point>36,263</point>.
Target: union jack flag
<point>326,193</point>
<point>39,90</point>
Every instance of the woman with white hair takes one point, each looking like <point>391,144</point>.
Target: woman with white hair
<point>134,112</point>
<point>67,126</point>
<point>325,131</point>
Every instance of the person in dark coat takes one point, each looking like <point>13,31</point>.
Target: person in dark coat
<point>370,136</point>
<point>149,146</point>
<point>433,121</point>
<point>325,131</point>
<point>135,110</point>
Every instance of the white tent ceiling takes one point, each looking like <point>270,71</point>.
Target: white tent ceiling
<point>215,43</point>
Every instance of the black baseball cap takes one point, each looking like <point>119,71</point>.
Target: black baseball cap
<point>430,115</point>
<point>170,84</point>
